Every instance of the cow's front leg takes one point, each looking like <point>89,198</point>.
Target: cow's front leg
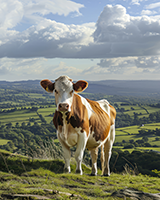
<point>81,144</point>
<point>66,155</point>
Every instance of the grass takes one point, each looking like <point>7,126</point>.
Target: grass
<point>46,179</point>
<point>3,141</point>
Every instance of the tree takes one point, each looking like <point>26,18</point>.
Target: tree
<point>9,125</point>
<point>23,125</point>
<point>145,138</point>
<point>17,125</point>
<point>11,144</point>
<point>136,119</point>
<point>147,144</point>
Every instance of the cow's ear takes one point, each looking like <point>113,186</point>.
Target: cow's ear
<point>47,85</point>
<point>79,86</point>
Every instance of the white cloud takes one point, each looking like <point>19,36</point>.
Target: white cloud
<point>148,12</point>
<point>116,34</point>
<point>49,39</point>
<point>135,64</point>
<point>62,68</point>
<point>31,12</point>
<point>136,2</point>
<point>21,68</point>
<point>151,62</point>
<point>60,7</point>
<point>11,13</point>
<point>35,11</point>
<point>125,35</point>
<point>153,5</point>
<point>111,68</point>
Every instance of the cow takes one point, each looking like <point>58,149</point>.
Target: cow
<point>82,123</point>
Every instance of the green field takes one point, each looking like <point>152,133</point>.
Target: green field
<point>125,133</point>
<point>139,110</point>
<point>131,133</point>
<point>24,115</point>
<point>44,103</point>
<point>3,141</point>
<point>18,116</point>
<point>47,113</point>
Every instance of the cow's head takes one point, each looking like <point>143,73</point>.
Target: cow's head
<point>63,88</point>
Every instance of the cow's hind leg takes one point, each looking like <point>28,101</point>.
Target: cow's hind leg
<point>108,150</point>
<point>94,154</point>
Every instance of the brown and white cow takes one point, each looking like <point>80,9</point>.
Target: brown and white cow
<point>82,122</point>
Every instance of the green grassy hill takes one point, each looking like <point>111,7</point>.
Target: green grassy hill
<point>26,128</point>
<point>23,178</point>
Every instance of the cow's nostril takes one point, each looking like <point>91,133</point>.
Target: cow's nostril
<point>63,107</point>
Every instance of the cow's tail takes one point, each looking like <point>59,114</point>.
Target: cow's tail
<point>102,158</point>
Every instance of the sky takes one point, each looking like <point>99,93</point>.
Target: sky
<point>83,39</point>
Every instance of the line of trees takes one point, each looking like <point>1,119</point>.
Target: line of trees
<point>123,120</point>
<point>24,134</point>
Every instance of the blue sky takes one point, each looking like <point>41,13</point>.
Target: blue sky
<point>90,40</point>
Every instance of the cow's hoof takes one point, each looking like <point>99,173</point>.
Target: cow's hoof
<point>93,174</point>
<point>65,170</point>
<point>78,171</point>
<point>106,175</point>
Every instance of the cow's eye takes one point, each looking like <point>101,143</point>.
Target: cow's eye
<point>56,91</point>
<point>71,92</point>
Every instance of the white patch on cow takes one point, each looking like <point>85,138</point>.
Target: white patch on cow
<point>87,105</point>
<point>69,136</point>
<point>63,94</point>
<point>72,137</point>
<point>104,104</point>
<point>92,143</point>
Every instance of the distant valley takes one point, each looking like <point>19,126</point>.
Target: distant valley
<point>143,88</point>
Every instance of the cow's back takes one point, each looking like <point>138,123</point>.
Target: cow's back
<point>110,110</point>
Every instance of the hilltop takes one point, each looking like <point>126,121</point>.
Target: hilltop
<point>24,178</point>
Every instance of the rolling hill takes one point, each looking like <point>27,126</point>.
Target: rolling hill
<point>145,88</point>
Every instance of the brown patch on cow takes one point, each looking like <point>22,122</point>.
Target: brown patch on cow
<point>78,117</point>
<point>80,86</point>
<point>99,122</point>
<point>112,114</point>
<point>57,119</point>
<point>47,85</point>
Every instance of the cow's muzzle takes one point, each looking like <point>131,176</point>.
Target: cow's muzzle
<point>63,107</point>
